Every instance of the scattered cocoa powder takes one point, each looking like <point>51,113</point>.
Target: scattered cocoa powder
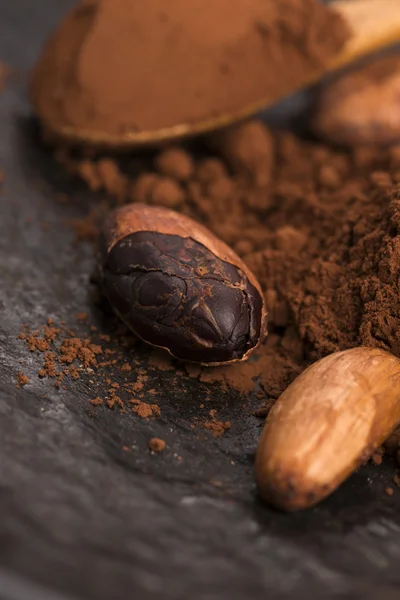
<point>156,445</point>
<point>60,346</point>
<point>82,355</point>
<point>21,379</point>
<point>145,410</point>
<point>97,401</point>
<point>115,401</point>
<point>214,425</point>
<point>84,351</point>
<point>187,62</point>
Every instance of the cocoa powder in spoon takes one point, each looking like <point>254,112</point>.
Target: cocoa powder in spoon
<point>115,66</point>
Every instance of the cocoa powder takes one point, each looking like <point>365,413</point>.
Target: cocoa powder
<point>125,66</point>
<point>67,357</point>
<point>213,424</point>
<point>21,379</point>
<point>157,445</point>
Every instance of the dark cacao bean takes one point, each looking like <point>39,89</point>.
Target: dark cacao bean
<point>175,292</point>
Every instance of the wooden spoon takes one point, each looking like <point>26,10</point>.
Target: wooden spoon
<point>375,24</point>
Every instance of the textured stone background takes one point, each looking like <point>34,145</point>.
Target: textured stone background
<point>80,520</point>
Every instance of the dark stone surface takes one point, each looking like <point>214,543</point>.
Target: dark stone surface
<point>80,520</point>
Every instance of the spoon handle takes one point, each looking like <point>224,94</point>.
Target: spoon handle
<point>375,24</point>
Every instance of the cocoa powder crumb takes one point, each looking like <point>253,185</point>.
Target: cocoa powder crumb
<point>108,363</point>
<point>88,171</point>
<point>389,491</point>
<point>142,187</point>
<point>49,365</point>
<point>248,150</point>
<point>214,425</point>
<point>74,372</point>
<point>77,349</point>
<point>115,401</point>
<point>112,178</point>
<point>157,445</point>
<point>49,332</point>
<point>377,459</point>
<point>35,343</point>
<point>167,192</point>
<point>97,401</point>
<point>21,379</point>
<point>174,162</point>
<point>145,410</point>
<point>41,340</point>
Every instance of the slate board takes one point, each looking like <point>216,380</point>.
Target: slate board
<point>82,520</point>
